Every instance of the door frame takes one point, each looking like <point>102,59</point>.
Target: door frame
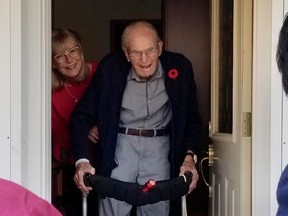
<point>266,106</point>
<point>29,64</point>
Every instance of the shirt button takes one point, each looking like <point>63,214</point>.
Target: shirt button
<point>149,101</point>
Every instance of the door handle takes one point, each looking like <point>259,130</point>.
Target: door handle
<point>210,159</point>
<point>210,155</point>
<point>202,173</point>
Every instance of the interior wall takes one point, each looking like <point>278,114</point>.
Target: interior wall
<point>91,18</point>
<point>188,32</point>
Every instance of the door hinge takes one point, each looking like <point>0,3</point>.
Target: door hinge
<point>246,124</point>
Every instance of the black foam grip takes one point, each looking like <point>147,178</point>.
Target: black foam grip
<point>132,192</point>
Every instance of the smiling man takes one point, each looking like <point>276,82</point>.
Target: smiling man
<point>144,103</point>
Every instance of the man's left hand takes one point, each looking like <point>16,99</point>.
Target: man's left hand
<point>189,165</point>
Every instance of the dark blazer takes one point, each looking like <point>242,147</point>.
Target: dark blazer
<point>101,103</point>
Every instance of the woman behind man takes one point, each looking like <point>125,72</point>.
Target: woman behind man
<point>70,77</point>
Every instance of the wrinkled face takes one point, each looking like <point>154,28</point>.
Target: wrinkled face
<point>143,50</point>
<point>68,59</point>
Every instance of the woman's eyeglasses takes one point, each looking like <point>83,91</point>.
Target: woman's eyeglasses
<point>73,53</point>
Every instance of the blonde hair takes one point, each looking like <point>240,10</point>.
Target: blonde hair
<point>59,39</point>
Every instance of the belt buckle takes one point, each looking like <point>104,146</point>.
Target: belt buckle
<point>140,132</point>
<point>144,133</point>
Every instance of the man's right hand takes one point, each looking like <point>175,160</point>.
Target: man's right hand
<point>81,170</point>
<point>94,134</point>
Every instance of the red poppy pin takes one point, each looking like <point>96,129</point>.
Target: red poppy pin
<point>173,73</point>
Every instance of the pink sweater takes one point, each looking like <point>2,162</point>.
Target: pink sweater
<point>16,200</point>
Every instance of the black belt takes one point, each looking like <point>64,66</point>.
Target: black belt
<point>143,132</point>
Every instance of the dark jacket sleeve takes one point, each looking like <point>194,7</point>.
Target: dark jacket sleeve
<point>182,92</point>
<point>100,106</point>
<point>84,117</point>
<point>193,127</point>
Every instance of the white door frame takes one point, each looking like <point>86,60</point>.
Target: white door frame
<point>36,100</point>
<point>266,107</point>
<point>27,33</point>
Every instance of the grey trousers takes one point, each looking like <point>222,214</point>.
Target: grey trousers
<point>139,159</point>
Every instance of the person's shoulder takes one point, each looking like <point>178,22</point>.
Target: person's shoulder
<point>114,56</point>
<point>174,55</point>
<point>112,60</point>
<point>174,58</point>
<point>94,65</point>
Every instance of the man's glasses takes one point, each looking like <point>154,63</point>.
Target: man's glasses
<point>136,55</point>
<point>73,53</point>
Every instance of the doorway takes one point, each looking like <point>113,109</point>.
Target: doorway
<point>191,37</point>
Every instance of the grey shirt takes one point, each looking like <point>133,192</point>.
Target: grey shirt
<point>145,103</point>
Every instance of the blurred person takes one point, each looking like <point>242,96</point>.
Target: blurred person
<point>15,200</point>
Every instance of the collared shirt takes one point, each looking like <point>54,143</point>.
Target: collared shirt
<point>145,102</point>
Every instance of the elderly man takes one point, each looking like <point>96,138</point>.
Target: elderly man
<point>144,103</point>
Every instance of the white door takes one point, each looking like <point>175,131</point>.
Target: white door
<point>230,130</point>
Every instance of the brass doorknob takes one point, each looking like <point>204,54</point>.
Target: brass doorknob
<point>210,159</point>
<point>210,155</point>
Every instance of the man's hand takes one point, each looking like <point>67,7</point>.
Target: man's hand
<point>94,134</point>
<point>189,165</point>
<point>81,170</point>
